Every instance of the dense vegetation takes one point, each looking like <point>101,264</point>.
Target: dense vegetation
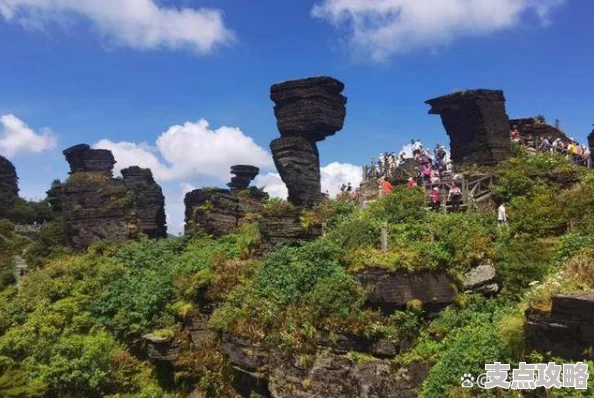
<point>75,327</point>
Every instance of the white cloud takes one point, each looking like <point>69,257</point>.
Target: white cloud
<point>380,29</point>
<point>333,176</point>
<point>189,151</point>
<point>16,137</point>
<point>139,24</point>
<point>272,184</point>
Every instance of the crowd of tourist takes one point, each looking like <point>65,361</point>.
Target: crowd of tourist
<point>431,164</point>
<point>574,151</point>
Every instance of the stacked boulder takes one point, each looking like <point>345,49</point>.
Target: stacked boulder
<point>220,211</point>
<point>307,111</point>
<point>478,125</point>
<point>9,189</point>
<point>243,177</point>
<point>98,207</point>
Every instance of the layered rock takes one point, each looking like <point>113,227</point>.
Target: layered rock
<point>9,189</point>
<point>244,175</point>
<point>567,330</point>
<point>337,376</point>
<point>393,291</point>
<point>148,205</point>
<point>163,349</point>
<point>218,211</point>
<point>298,162</point>
<point>285,229</point>
<point>97,207</point>
<point>82,159</point>
<point>307,111</point>
<point>477,124</point>
<point>535,128</point>
<point>482,279</point>
<point>312,108</point>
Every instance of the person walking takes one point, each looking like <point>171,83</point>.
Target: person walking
<point>455,196</point>
<point>501,215</point>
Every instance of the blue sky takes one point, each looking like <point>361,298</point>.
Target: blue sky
<point>128,75</point>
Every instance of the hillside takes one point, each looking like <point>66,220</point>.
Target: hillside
<point>206,317</point>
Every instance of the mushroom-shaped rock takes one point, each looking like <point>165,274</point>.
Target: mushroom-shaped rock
<point>307,111</point>
<point>9,189</point>
<point>82,158</point>
<point>244,175</point>
<point>313,108</point>
<point>477,124</point>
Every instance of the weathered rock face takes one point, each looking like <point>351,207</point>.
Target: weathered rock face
<point>312,108</point>
<point>97,207</point>
<point>298,162</point>
<point>567,331</point>
<point>307,111</point>
<point>477,124</point>
<point>218,211</point>
<point>535,128</point>
<point>391,291</point>
<point>339,377</point>
<point>148,206</point>
<point>84,159</point>
<point>482,279</point>
<point>161,348</point>
<point>285,229</point>
<point>244,175</point>
<point>9,189</point>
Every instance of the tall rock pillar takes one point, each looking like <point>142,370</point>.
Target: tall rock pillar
<point>9,189</point>
<point>591,145</point>
<point>307,111</point>
<point>477,124</point>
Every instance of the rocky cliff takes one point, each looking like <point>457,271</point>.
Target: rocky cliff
<point>477,123</point>
<point>535,128</point>
<point>98,207</point>
<point>9,189</point>
<point>220,211</point>
<point>307,111</point>
<point>567,330</point>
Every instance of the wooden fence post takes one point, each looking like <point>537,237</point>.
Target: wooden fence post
<point>324,228</point>
<point>384,237</point>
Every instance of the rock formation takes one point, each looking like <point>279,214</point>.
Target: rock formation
<point>220,211</point>
<point>97,207</point>
<point>337,376</point>
<point>298,163</point>
<point>591,145</point>
<point>82,158</point>
<point>307,111</point>
<point>148,206</point>
<point>477,124</point>
<point>393,291</point>
<point>536,128</point>
<point>244,175</point>
<point>9,189</point>
<point>285,229</point>
<point>567,330</point>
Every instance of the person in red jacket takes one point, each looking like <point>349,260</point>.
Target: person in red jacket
<point>386,186</point>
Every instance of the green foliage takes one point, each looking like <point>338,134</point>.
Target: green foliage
<point>402,204</point>
<point>521,260</point>
<point>467,341</point>
<point>275,207</point>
